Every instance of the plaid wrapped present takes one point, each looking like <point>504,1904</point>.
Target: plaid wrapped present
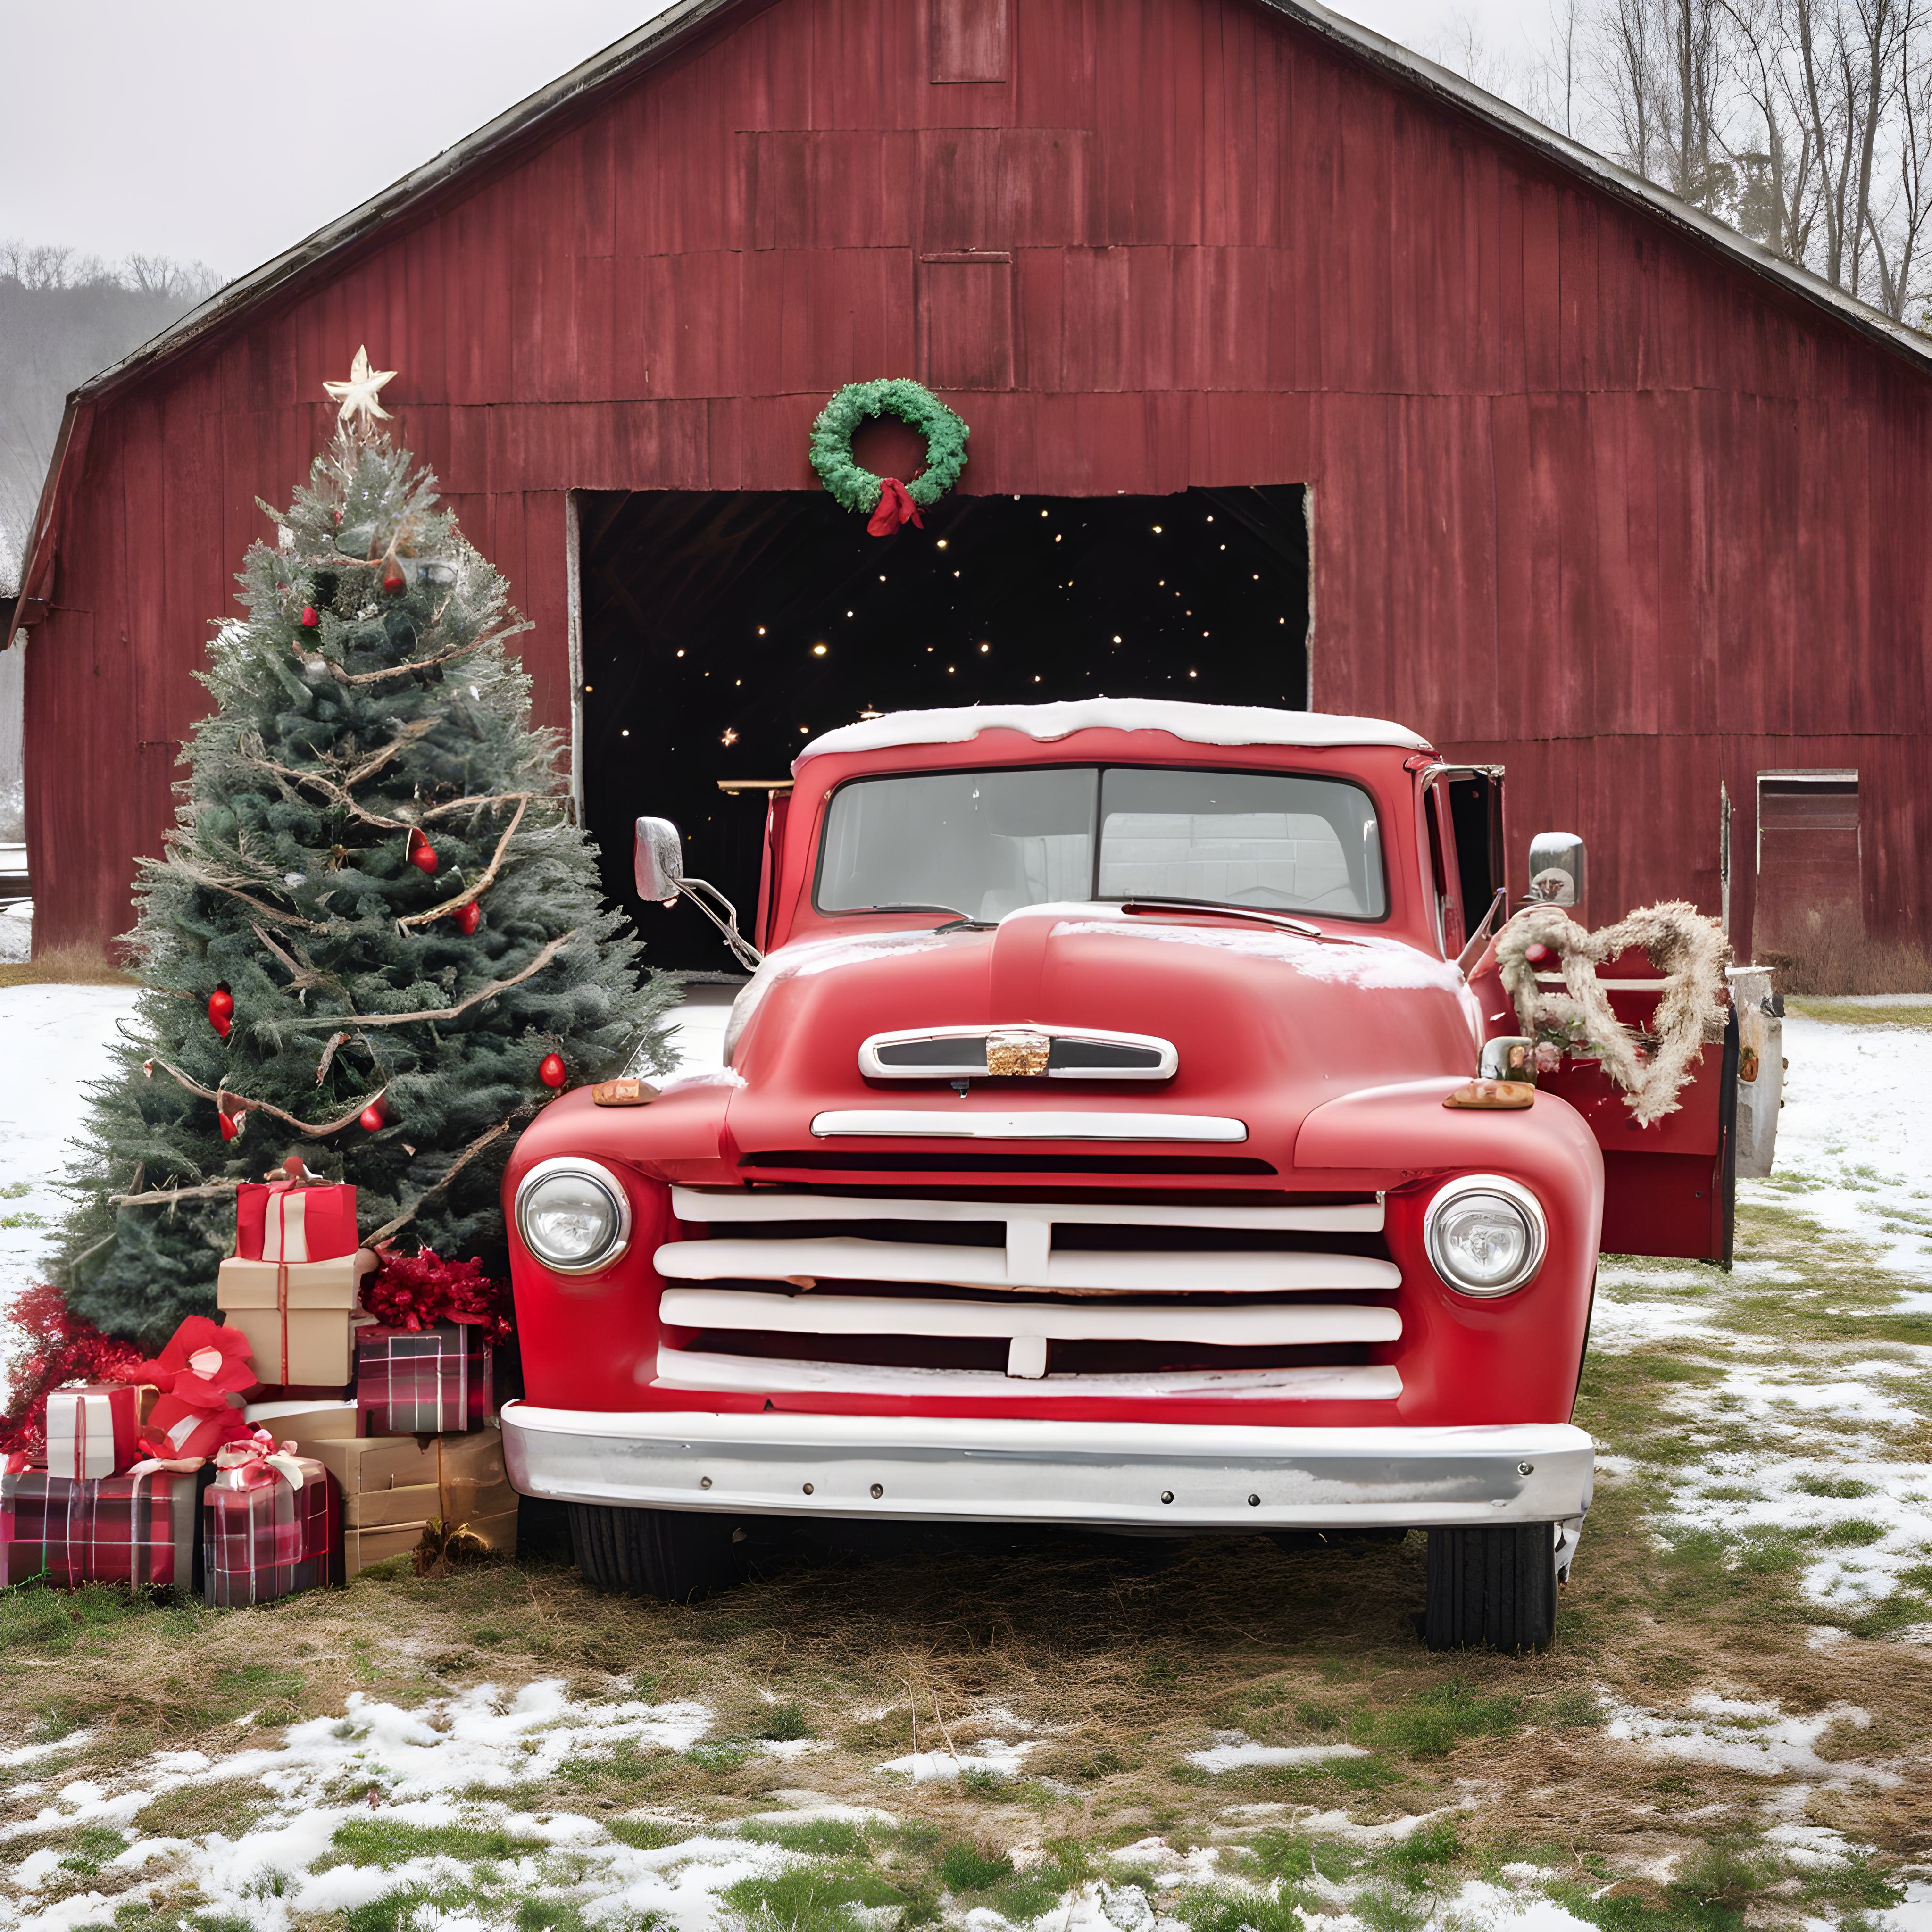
<point>93,1428</point>
<point>426,1381</point>
<point>272,1525</point>
<point>138,1527</point>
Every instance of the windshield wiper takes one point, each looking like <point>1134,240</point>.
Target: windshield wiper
<point>1153,902</point>
<point>960,921</point>
<point>952,912</point>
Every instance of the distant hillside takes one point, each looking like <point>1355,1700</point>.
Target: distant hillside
<point>62,320</point>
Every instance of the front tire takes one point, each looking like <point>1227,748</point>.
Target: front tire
<point>676,1555</point>
<point>1494,1588</point>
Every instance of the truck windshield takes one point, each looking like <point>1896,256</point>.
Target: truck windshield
<point>987,843</point>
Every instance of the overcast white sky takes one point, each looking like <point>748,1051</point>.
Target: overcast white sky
<point>224,131</point>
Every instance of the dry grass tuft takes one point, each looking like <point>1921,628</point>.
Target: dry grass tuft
<point>1833,959</point>
<point>75,965</point>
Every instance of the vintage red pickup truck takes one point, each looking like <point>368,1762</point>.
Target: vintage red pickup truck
<point>1081,1155</point>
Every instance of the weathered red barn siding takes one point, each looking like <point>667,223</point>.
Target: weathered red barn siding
<point>1588,496</point>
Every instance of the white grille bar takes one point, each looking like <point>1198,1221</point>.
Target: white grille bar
<point>1020,1265</point>
<point>706,1204</point>
<point>1268,1326</point>
<point>965,1123</point>
<point>684,1369</point>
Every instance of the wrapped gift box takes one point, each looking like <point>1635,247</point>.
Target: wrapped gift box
<point>141,1529</point>
<point>300,1317</point>
<point>294,1221</point>
<point>393,1486</point>
<point>93,1430</point>
<point>265,1537</point>
<point>305,1420</point>
<point>423,1381</point>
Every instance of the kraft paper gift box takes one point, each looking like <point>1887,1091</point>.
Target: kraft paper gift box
<point>393,1486</point>
<point>300,1317</point>
<point>422,1382</point>
<point>140,1528</point>
<point>294,1221</point>
<point>266,1534</point>
<point>93,1430</point>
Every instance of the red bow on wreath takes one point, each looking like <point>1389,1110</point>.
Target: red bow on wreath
<point>896,508</point>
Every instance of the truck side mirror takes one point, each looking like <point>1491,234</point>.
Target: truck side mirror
<point>1556,869</point>
<point>657,862</point>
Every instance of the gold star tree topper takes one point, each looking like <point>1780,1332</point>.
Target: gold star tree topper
<point>357,396</point>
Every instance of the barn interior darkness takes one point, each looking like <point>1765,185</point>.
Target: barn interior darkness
<point>721,630</point>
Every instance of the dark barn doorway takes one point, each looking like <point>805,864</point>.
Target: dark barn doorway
<point>721,630</point>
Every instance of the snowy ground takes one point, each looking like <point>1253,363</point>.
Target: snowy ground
<point>1767,1431</point>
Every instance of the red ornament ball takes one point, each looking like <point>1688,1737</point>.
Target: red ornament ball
<point>553,1072</point>
<point>467,918</point>
<point>309,618</point>
<point>376,1116</point>
<point>221,1010</point>
<point>422,854</point>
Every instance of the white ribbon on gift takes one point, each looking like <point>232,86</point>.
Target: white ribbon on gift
<point>80,1433</point>
<point>285,1228</point>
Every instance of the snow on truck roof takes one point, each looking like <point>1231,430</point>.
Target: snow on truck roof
<point>1197,724</point>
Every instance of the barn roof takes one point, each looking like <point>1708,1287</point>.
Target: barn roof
<point>553,105</point>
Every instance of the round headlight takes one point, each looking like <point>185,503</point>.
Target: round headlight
<point>1485,1234</point>
<point>573,1216</point>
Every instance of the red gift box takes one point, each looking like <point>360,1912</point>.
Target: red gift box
<point>422,1382</point>
<point>294,1221</point>
<point>271,1523</point>
<point>139,1528</point>
<point>93,1430</point>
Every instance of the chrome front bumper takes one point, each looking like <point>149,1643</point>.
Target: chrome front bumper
<point>1107,1474</point>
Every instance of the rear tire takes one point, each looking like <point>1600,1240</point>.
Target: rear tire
<point>1495,1588</point>
<point>676,1555</point>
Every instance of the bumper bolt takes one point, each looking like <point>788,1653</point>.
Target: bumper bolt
<point>878,1490</point>
<point>1167,1495</point>
<point>808,1488</point>
<point>1525,1469</point>
<point>704,1482</point>
<point>1254,1502</point>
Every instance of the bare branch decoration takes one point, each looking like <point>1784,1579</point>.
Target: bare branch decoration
<point>549,952</point>
<point>482,885</point>
<point>232,1102</point>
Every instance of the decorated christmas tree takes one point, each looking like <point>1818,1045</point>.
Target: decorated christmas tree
<point>377,938</point>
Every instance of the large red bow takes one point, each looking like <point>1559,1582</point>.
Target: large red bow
<point>249,1461</point>
<point>896,508</point>
<point>203,1364</point>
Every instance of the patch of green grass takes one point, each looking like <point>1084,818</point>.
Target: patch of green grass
<point>809,1898</point>
<point>1571,1711</point>
<point>377,1840</point>
<point>1852,1534</point>
<point>22,1218</point>
<point>45,1621</point>
<point>1216,1908</point>
<point>719,1754</point>
<point>827,1837</point>
<point>1418,1860</point>
<point>1432,1724</point>
<point>90,1847</point>
<point>784,1724</point>
<point>966,1868</point>
<point>1841,1012</point>
<point>1294,1859</point>
<point>646,1834</point>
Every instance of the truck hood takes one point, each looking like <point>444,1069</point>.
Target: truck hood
<point>1266,1024</point>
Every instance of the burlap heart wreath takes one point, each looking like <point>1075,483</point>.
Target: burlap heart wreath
<point>1692,952</point>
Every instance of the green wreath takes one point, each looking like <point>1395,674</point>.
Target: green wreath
<point>853,488</point>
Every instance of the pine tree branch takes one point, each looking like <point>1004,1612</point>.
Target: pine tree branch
<point>414,664</point>
<point>551,950</point>
<point>335,1039</point>
<point>301,973</point>
<point>339,795</point>
<point>483,884</point>
<point>213,1191</point>
<point>462,1160</point>
<point>218,885</point>
<point>406,736</point>
<point>482,798</point>
<point>241,1103</point>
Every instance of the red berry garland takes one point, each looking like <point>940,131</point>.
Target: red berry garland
<point>422,854</point>
<point>553,1072</point>
<point>467,918</point>
<point>375,1117</point>
<point>221,1010</point>
<point>309,620</point>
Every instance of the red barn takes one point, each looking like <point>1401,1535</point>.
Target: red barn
<point>1264,329</point>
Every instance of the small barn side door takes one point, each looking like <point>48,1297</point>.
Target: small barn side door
<point>1669,1188</point>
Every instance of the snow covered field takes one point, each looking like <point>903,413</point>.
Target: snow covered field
<point>1767,1432</point>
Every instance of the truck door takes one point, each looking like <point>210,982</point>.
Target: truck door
<point>1669,1188</point>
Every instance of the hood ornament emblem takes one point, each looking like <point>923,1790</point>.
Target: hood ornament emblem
<point>1024,1054</point>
